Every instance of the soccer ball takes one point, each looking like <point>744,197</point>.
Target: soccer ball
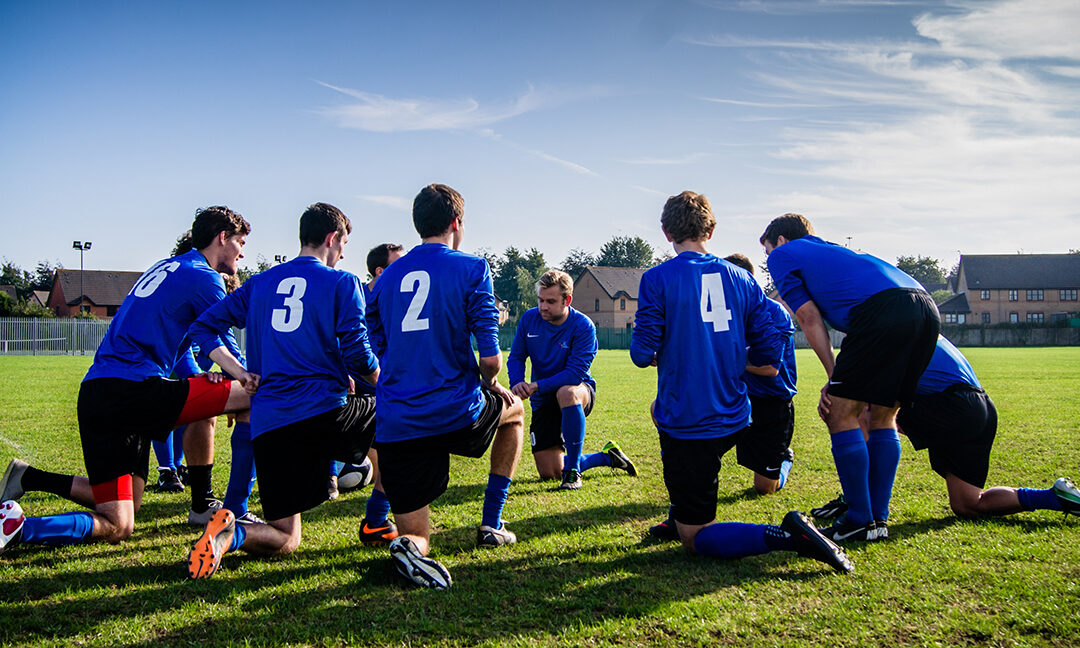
<point>354,477</point>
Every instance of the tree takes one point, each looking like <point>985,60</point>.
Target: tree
<point>43,275</point>
<point>13,275</point>
<point>245,273</point>
<point>509,282</point>
<point>626,252</point>
<point>925,270</point>
<point>576,262</point>
<point>941,296</point>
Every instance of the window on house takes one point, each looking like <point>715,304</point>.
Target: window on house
<point>1034,295</point>
<point>628,326</point>
<point>950,318</point>
<point>84,309</point>
<point>1068,294</point>
<point>597,306</point>
<point>111,310</point>
<point>1013,295</point>
<point>984,295</point>
<point>961,318</point>
<point>1014,318</point>
<point>622,304</point>
<point>1035,318</point>
<point>986,318</point>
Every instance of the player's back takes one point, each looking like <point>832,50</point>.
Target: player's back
<point>425,307</point>
<point>947,367</point>
<point>782,385</point>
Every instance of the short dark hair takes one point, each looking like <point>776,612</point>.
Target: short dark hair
<point>742,261</point>
<point>212,221</point>
<point>183,244</point>
<point>321,219</point>
<point>435,207</point>
<point>790,226</point>
<point>379,256</point>
<point>688,216</point>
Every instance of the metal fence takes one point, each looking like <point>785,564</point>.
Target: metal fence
<point>50,336</point>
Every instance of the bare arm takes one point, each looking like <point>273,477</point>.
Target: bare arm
<point>489,373</point>
<point>767,371</point>
<point>230,365</point>
<point>817,335</point>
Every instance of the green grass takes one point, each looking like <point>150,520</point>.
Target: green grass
<point>581,573</point>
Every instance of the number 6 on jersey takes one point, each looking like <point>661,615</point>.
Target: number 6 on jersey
<point>713,303</point>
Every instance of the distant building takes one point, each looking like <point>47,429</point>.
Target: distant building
<point>99,292</point>
<point>996,288</point>
<point>608,296</point>
<point>40,298</point>
<point>9,290</point>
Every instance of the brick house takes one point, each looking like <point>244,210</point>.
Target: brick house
<point>996,288</point>
<point>608,296</point>
<point>99,292</point>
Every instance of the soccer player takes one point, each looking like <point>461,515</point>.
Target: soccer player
<point>562,344</point>
<point>306,337</point>
<point>433,399</point>
<point>697,315</point>
<point>126,399</point>
<point>891,324</point>
<point>956,421</point>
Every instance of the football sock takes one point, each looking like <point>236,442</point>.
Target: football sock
<point>47,482</point>
<point>242,470</point>
<point>595,460</point>
<point>239,535</point>
<point>178,446</point>
<point>1032,499</point>
<point>163,451</point>
<point>58,530</point>
<point>853,469</point>
<point>378,507</point>
<point>883,448</point>
<point>199,481</point>
<point>573,434</point>
<point>785,468</point>
<point>731,540</point>
<point>498,488</point>
<point>335,467</point>
<point>776,539</point>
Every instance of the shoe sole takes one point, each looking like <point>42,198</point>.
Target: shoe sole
<point>1067,496</point>
<point>812,543</point>
<point>205,557</point>
<point>13,466</point>
<point>423,571</point>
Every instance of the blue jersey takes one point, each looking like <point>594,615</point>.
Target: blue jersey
<point>561,355</point>
<point>698,314</point>
<point>306,335</point>
<point>147,337</point>
<point>782,385</point>
<point>947,367</point>
<point>363,386</point>
<point>424,309</point>
<point>832,276</point>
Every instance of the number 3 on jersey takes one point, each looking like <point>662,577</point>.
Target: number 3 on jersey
<point>418,282</point>
<point>287,320</point>
<point>713,303</point>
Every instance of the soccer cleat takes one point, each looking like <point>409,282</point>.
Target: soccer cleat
<point>202,519</point>
<point>205,557</point>
<point>355,476</point>
<point>843,531</point>
<point>377,535</point>
<point>11,524</point>
<point>1067,495</point>
<point>11,483</point>
<point>666,530</point>
<point>331,487</point>
<point>415,566</point>
<point>619,459</point>
<point>882,529</point>
<point>169,482</point>
<point>811,543</point>
<point>182,474</point>
<point>571,480</point>
<point>490,538</point>
<point>834,509</point>
<point>250,518</point>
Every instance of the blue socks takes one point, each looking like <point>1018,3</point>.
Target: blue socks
<point>378,507</point>
<point>883,448</point>
<point>1032,499</point>
<point>785,468</point>
<point>595,460</point>
<point>242,471</point>
<point>731,540</point>
<point>58,530</point>
<point>239,535</point>
<point>335,467</point>
<point>573,434</point>
<point>853,469</point>
<point>498,488</point>
<point>170,452</point>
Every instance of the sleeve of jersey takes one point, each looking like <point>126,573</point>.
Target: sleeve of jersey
<point>582,351</point>
<point>764,337</point>
<point>649,323</point>
<point>787,278</point>
<point>515,364</point>
<point>376,334</point>
<point>211,329</point>
<point>186,366</point>
<point>352,330</point>
<point>483,315</point>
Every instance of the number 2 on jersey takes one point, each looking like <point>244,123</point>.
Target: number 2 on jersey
<point>418,282</point>
<point>287,320</point>
<point>713,303</point>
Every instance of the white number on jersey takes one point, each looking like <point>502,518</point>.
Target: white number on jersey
<point>713,304</point>
<point>287,320</point>
<point>417,281</point>
<point>152,278</point>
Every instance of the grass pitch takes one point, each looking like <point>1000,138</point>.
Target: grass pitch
<point>582,572</point>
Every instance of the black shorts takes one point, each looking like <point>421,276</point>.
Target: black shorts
<point>763,445</point>
<point>292,462</point>
<point>891,337</point>
<point>958,427</point>
<point>415,472</point>
<point>117,420</point>
<point>545,430</point>
<point>690,470</point>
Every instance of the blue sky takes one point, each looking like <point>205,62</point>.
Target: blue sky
<point>911,127</point>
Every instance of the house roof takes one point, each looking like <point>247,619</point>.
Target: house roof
<point>955,304</point>
<point>9,290</point>
<point>1020,271</point>
<point>101,287</point>
<point>42,297</point>
<point>617,280</point>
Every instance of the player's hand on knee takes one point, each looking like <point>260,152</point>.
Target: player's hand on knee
<point>825,403</point>
<point>504,393</point>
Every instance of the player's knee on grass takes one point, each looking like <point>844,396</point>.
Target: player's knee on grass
<point>765,486</point>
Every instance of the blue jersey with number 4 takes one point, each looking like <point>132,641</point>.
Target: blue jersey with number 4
<point>306,335</point>
<point>147,337</point>
<point>697,315</point>
<point>423,311</point>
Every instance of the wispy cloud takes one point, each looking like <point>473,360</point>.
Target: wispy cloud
<point>689,158</point>
<point>803,7</point>
<point>394,202</point>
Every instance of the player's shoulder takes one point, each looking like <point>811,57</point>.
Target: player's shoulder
<point>579,319</point>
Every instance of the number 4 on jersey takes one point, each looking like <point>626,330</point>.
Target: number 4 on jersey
<point>713,304</point>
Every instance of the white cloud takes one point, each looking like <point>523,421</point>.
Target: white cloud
<point>1005,30</point>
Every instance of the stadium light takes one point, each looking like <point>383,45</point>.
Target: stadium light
<point>81,246</point>
<point>280,258</point>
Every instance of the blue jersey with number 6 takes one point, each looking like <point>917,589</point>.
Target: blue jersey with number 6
<point>146,338</point>
<point>423,311</point>
<point>697,314</point>
<point>306,335</point>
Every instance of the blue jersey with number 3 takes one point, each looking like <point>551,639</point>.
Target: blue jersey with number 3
<point>423,311</point>
<point>697,314</point>
<point>306,335</point>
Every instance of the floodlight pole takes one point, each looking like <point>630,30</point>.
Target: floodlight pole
<point>81,246</point>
